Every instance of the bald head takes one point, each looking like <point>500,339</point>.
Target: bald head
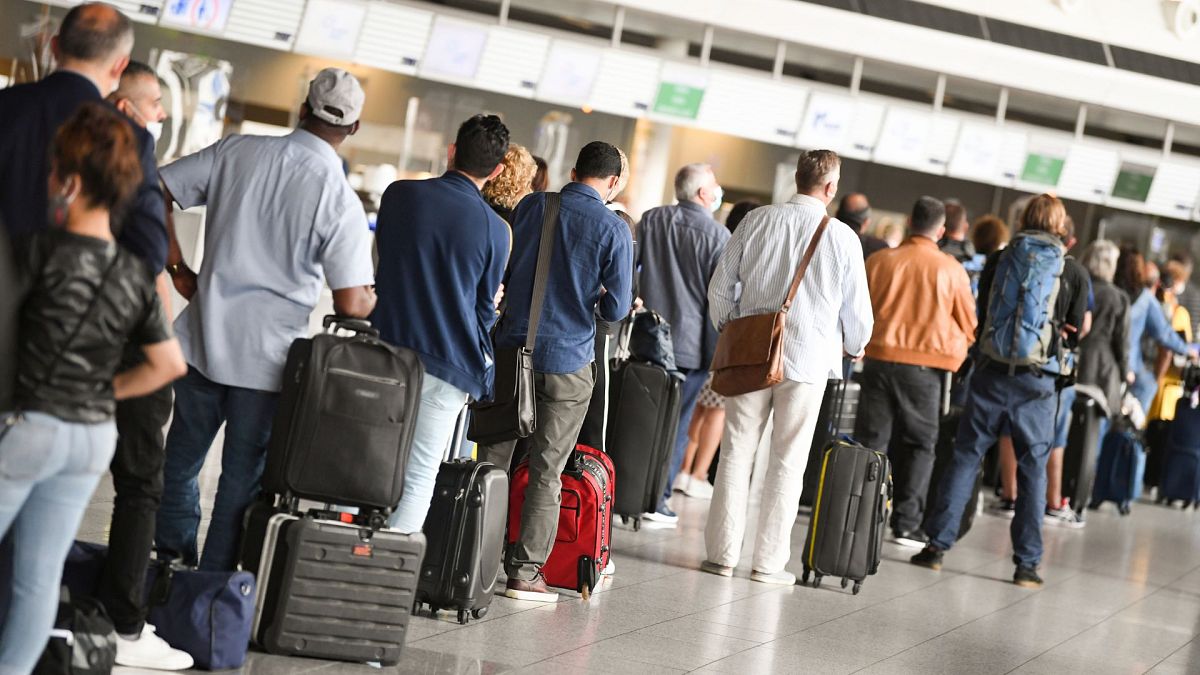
<point>855,211</point>
<point>95,40</point>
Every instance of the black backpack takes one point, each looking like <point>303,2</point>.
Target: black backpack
<point>83,641</point>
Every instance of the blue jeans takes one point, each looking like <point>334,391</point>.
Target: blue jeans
<point>49,469</point>
<point>693,384</point>
<point>441,404</point>
<point>1143,389</point>
<point>1026,403</point>
<point>201,407</point>
<point>1062,424</point>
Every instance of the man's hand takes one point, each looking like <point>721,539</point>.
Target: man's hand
<point>184,280</point>
<point>499,296</point>
<point>638,304</point>
<point>854,359</point>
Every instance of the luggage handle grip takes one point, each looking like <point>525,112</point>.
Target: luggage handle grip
<point>332,322</point>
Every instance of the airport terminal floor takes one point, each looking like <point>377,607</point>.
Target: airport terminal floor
<point>1122,596</point>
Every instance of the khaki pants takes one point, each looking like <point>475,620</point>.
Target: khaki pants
<point>562,403</point>
<point>796,406</point>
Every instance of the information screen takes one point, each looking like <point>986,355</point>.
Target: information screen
<point>331,28</point>
<point>1042,169</point>
<point>570,73</point>
<point>206,15</point>
<point>680,91</point>
<point>1133,182</point>
<point>454,49</point>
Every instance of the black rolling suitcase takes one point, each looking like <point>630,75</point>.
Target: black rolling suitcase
<point>642,425</point>
<point>830,423</point>
<point>845,534</point>
<point>465,535</point>
<point>330,586</point>
<point>1083,446</point>
<point>345,419</point>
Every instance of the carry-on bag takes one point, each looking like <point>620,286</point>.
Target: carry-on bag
<point>845,534</point>
<point>1119,470</point>
<point>82,642</point>
<point>1180,477</point>
<point>347,403</point>
<point>332,588</point>
<point>643,424</point>
<point>206,614</point>
<point>581,545</point>
<point>512,411</point>
<point>1083,445</point>
<point>464,533</point>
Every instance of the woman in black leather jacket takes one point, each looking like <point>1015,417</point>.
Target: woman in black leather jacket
<point>88,297</point>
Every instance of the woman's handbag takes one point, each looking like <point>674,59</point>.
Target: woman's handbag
<point>749,354</point>
<point>511,414</point>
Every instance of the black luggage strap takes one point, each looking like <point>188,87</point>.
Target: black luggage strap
<point>541,277</point>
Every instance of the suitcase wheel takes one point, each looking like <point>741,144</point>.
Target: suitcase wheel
<point>637,524</point>
<point>857,587</point>
<point>464,616</point>
<point>804,577</point>
<point>587,576</point>
<point>1124,508</point>
<point>1161,499</point>
<point>845,582</point>
<point>816,581</point>
<point>480,612</point>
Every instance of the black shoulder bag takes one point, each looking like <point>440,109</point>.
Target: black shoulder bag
<point>512,412</point>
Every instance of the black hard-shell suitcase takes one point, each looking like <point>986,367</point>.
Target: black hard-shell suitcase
<point>330,589</point>
<point>837,415</point>
<point>845,535</point>
<point>345,419</point>
<point>465,538</point>
<point>1083,446</point>
<point>642,425</point>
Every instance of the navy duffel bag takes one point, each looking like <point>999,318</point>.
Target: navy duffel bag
<point>206,614</point>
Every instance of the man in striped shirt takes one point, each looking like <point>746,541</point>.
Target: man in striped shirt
<point>829,317</point>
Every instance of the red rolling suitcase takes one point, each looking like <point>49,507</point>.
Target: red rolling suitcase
<point>581,547</point>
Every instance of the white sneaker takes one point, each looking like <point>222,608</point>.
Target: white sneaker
<point>782,578</point>
<point>151,652</point>
<point>682,483</point>
<point>609,569</point>
<point>699,489</point>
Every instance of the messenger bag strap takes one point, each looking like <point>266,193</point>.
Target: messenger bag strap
<point>541,276</point>
<point>804,262</point>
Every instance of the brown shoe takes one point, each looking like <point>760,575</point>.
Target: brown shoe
<point>534,591</point>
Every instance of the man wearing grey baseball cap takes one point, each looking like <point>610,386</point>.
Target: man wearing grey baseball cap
<point>282,222</point>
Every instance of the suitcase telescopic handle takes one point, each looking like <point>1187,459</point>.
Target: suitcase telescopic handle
<point>362,326</point>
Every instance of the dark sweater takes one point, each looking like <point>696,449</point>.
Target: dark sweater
<point>442,253</point>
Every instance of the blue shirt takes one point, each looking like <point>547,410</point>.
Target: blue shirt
<point>1147,318</point>
<point>30,115</point>
<point>592,250</point>
<point>282,221</point>
<point>680,248</point>
<point>442,252</point>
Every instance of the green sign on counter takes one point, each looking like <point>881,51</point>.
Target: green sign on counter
<point>1133,182</point>
<point>1042,169</point>
<point>680,100</point>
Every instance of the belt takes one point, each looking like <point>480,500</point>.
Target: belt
<point>1006,369</point>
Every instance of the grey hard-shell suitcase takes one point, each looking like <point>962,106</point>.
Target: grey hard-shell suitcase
<point>333,590</point>
<point>465,538</point>
<point>642,426</point>
<point>845,534</point>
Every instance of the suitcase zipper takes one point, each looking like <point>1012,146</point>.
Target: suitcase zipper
<point>360,376</point>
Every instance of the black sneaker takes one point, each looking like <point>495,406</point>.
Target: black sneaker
<point>1027,577</point>
<point>911,538</point>
<point>1005,508</point>
<point>930,557</point>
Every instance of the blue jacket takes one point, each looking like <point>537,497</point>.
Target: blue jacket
<point>442,252</point>
<point>593,250</point>
<point>1146,317</point>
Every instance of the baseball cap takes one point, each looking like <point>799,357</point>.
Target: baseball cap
<point>336,97</point>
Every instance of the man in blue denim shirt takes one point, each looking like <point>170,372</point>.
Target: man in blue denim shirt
<point>591,272</point>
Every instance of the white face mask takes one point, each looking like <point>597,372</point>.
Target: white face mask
<point>718,195</point>
<point>155,129</point>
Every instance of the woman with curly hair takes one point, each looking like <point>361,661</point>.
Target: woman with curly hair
<point>515,181</point>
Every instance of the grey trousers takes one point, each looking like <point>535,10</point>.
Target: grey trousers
<point>562,403</point>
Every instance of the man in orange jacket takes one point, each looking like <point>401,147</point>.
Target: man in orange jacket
<point>924,323</point>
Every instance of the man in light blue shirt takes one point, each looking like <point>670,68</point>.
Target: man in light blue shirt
<point>282,222</point>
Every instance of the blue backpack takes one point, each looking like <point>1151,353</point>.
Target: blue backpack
<point>1020,329</point>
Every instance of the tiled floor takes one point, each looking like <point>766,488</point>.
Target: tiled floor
<point>1122,597</point>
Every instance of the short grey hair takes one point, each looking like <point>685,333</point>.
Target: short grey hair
<point>690,179</point>
<point>1100,259</point>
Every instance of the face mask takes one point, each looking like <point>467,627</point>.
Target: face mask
<point>718,195</point>
<point>155,129</point>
